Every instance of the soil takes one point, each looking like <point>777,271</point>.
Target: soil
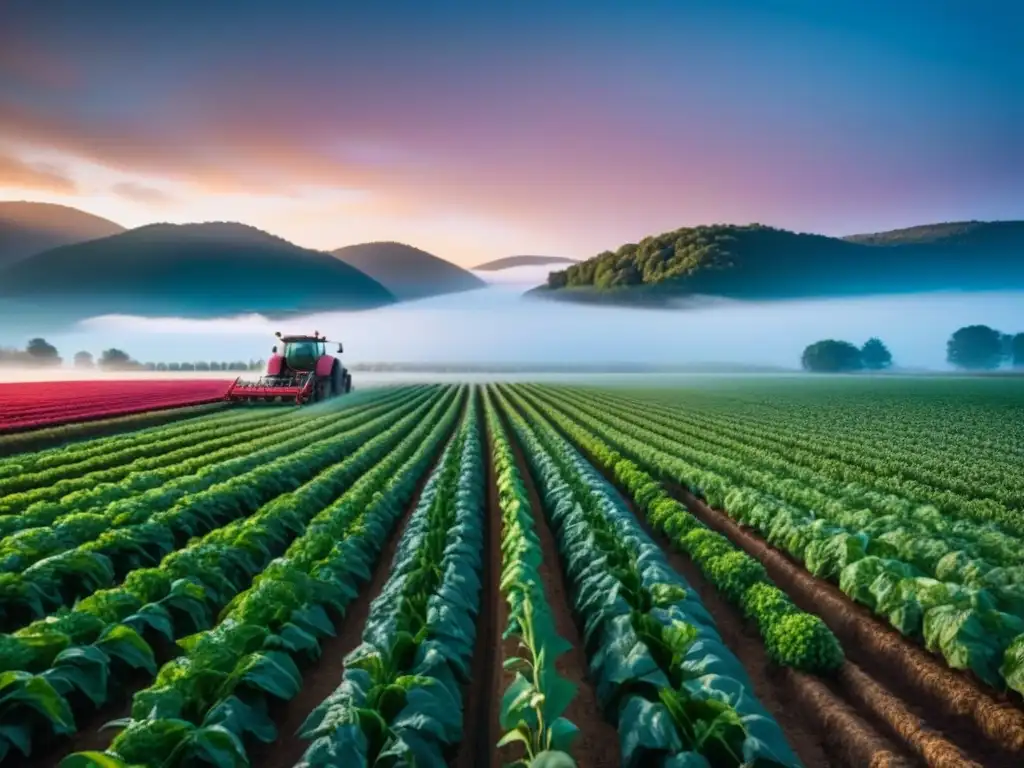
<point>943,700</point>
<point>320,679</point>
<point>597,745</point>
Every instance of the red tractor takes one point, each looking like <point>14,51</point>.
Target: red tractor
<point>302,372</point>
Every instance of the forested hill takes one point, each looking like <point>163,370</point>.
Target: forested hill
<point>211,269</point>
<point>760,262</point>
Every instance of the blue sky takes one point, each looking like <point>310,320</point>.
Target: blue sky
<point>476,130</point>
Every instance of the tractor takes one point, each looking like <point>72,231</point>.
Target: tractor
<point>301,372</point>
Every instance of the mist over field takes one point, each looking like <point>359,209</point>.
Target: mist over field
<point>497,325</point>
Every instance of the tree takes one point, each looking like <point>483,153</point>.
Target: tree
<point>115,359</point>
<point>83,360</point>
<point>161,366</point>
<point>42,353</point>
<point>875,355</point>
<point>1017,351</point>
<point>831,356</point>
<point>975,347</point>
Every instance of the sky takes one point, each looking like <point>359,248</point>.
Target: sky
<point>478,130</point>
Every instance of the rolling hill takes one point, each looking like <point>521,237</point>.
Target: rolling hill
<point>510,262</point>
<point>194,270</point>
<point>30,228</point>
<point>759,262</point>
<point>408,272</point>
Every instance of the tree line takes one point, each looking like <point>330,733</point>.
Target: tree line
<point>971,348</point>
<point>40,353</point>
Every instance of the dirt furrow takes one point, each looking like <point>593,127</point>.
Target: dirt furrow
<point>943,701</point>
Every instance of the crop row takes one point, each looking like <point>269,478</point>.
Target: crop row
<point>107,451</point>
<point>214,574</point>
<point>400,697</point>
<point>49,528</point>
<point>965,609</point>
<point>949,549</point>
<point>987,492</point>
<point>945,418</point>
<point>906,459</point>
<point>535,702</point>
<point>141,531</point>
<point>661,671</point>
<point>79,493</point>
<point>160,442</point>
<point>792,637</point>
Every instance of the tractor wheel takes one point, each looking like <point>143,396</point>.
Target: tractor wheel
<point>348,382</point>
<point>319,393</point>
<point>337,379</point>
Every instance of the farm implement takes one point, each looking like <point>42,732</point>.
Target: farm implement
<point>301,373</point>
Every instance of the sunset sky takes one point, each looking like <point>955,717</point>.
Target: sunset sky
<point>482,129</point>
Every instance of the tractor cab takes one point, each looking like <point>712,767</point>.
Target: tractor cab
<point>301,353</point>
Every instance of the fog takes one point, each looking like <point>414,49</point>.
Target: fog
<point>497,325</point>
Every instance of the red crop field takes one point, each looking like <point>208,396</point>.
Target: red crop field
<point>30,405</point>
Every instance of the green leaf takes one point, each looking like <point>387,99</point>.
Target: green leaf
<point>122,642</point>
<point>152,616</point>
<point>275,673</point>
<point>562,733</point>
<point>346,745</point>
<point>558,694</point>
<point>664,595</point>
<point>515,701</point>
<point>313,619</point>
<point>37,693</point>
<point>85,669</point>
<point>521,733</point>
<point>241,718</point>
<point>92,760</point>
<point>218,747</point>
<point>646,732</point>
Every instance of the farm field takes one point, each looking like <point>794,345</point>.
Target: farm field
<point>31,405</point>
<point>743,572</point>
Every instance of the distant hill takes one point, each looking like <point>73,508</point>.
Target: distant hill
<point>758,262</point>
<point>30,228</point>
<point>522,261</point>
<point>194,270</point>
<point>408,272</point>
<point>961,234</point>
